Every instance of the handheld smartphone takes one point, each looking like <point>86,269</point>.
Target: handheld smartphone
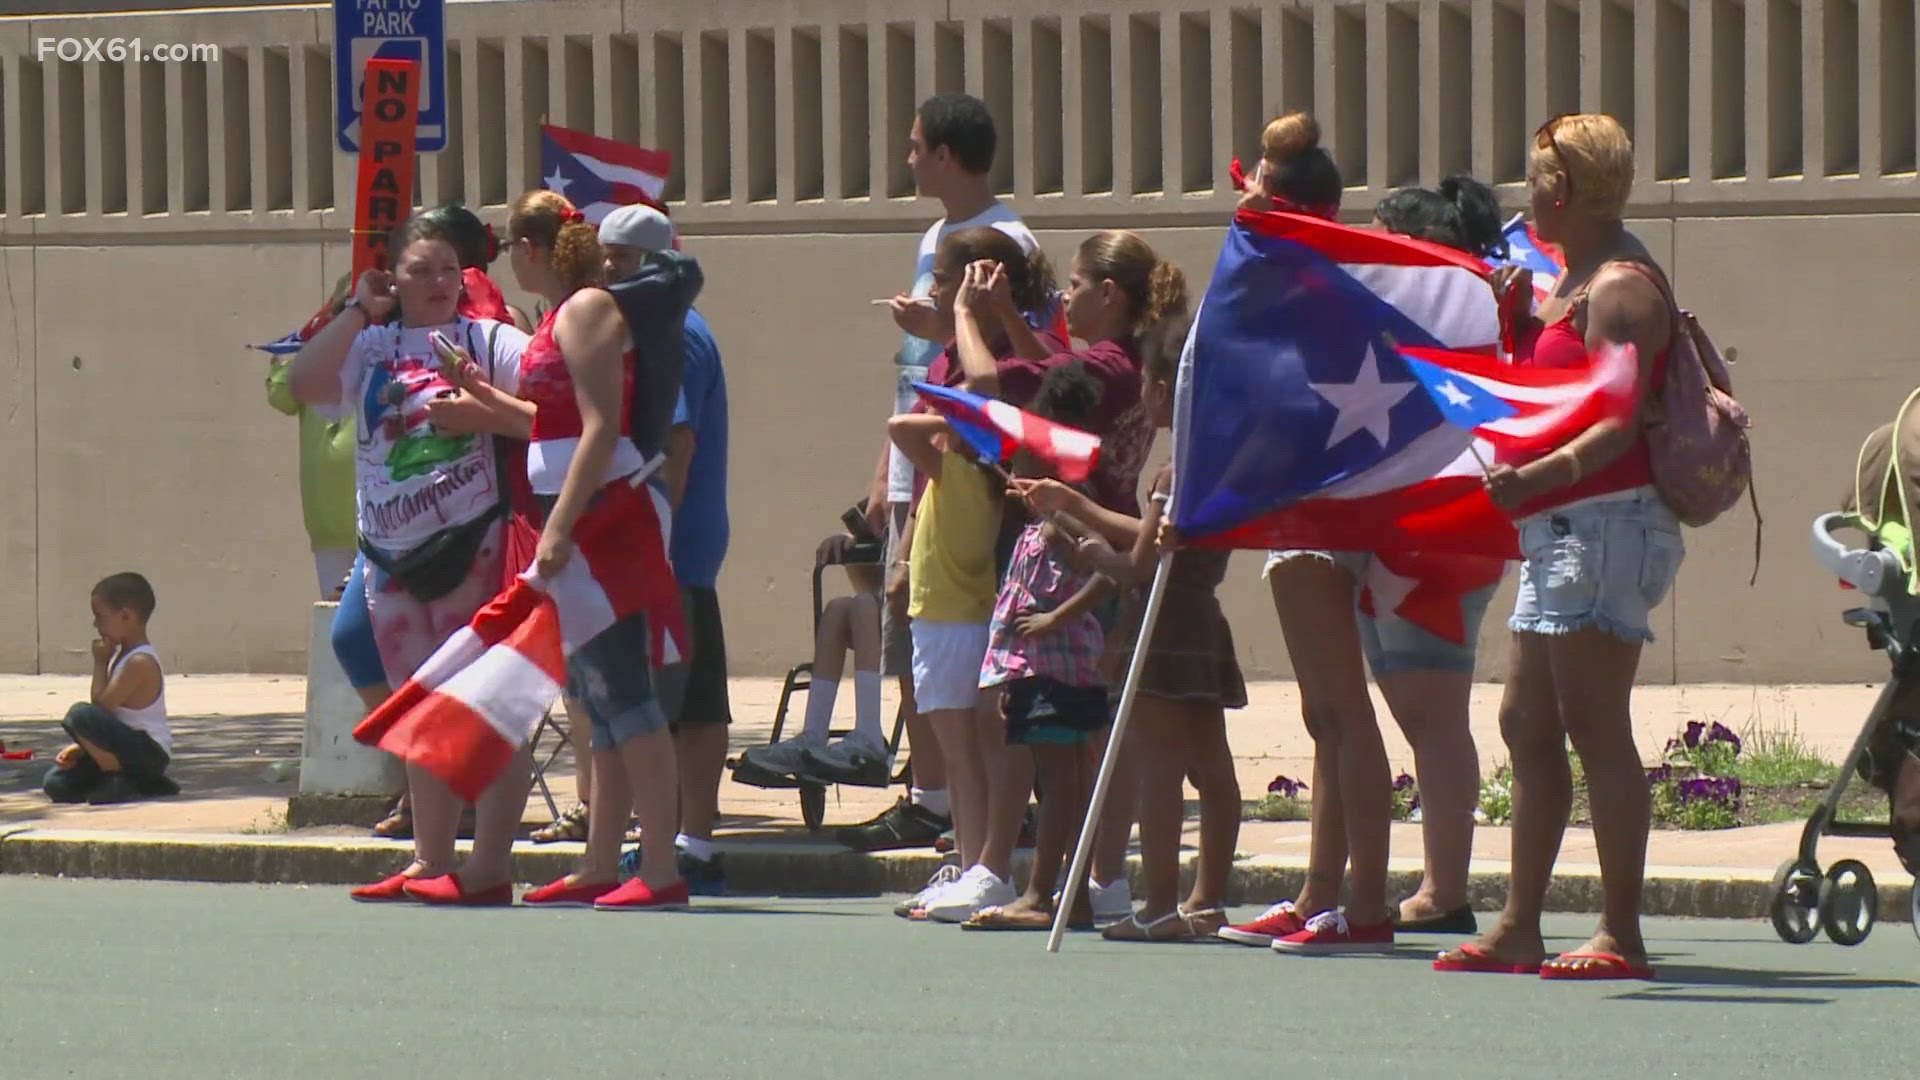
<point>449,354</point>
<point>855,520</point>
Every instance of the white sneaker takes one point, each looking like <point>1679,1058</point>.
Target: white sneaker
<point>1110,902</point>
<point>976,889</point>
<point>946,875</point>
<point>857,759</point>
<point>783,758</point>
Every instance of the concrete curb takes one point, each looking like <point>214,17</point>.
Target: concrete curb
<point>808,868</point>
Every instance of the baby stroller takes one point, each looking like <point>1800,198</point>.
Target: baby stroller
<point>1844,901</point>
<point>866,550</point>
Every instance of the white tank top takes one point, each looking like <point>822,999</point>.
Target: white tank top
<point>151,719</point>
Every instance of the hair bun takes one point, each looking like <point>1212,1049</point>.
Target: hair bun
<point>1289,136</point>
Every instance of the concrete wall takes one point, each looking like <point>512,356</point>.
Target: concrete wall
<point>154,219</point>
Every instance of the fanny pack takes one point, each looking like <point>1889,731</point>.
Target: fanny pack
<point>441,562</point>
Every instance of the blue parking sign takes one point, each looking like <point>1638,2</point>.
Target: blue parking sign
<point>394,29</point>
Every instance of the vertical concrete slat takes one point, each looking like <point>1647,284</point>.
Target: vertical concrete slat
<point>1593,58</point>
<point>1326,81</point>
<point>974,60</point>
<point>470,120</point>
<point>1120,25</point>
<point>1759,96</point>
<point>297,115</point>
<point>602,48</point>
<point>832,131</point>
<point>1484,86</point>
<point>1273,60</point>
<point>1073,174</point>
<point>53,162</point>
<point>1646,118</point>
<point>1813,89</point>
<point>1700,94</point>
<point>177,143</point>
<point>216,121</point>
<point>1871,28</point>
<point>738,130</point>
<point>11,126</point>
<point>1537,45</point>
<point>693,63</point>
<point>1430,94</point>
<point>879,144</point>
<point>1220,89</point>
<point>1173,97</point>
<point>516,119</point>
<point>785,163</point>
<point>1024,162</point>
<point>1379,142</point>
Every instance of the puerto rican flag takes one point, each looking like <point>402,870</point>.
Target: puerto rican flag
<point>1527,410</point>
<point>477,700</point>
<point>1526,249</point>
<point>596,175</point>
<point>1297,421</point>
<point>996,430</point>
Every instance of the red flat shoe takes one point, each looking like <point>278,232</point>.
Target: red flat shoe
<point>1480,960</point>
<point>560,894</point>
<point>448,891</point>
<point>1606,966</point>
<point>637,895</point>
<point>392,890</point>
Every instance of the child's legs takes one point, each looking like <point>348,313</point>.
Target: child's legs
<point>72,785</point>
<point>1061,769</point>
<point>1109,861</point>
<point>1161,743</point>
<point>1314,597</point>
<point>1009,784</point>
<point>114,745</point>
<point>865,633</point>
<point>832,638</point>
<point>946,677</point>
<point>1210,764</point>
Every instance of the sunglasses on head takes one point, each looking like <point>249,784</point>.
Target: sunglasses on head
<point>1545,134</point>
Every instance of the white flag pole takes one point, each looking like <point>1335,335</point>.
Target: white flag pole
<point>1083,853</point>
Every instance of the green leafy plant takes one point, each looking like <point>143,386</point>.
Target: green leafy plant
<point>1496,797</point>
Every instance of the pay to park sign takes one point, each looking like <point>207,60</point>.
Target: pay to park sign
<point>385,188</point>
<point>413,30</point>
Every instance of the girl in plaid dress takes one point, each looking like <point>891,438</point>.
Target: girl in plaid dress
<point>1044,647</point>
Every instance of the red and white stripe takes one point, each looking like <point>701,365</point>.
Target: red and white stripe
<point>636,173</point>
<point>1552,405</point>
<point>1071,451</point>
<point>477,699</point>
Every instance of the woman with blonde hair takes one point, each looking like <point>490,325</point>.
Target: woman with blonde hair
<point>1600,552</point>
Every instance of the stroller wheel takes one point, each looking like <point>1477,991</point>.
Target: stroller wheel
<point>1848,902</point>
<point>813,805</point>
<point>1795,905</point>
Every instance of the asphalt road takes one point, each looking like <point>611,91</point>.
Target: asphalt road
<point>169,980</point>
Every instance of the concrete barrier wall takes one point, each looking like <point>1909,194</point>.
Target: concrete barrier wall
<point>155,218</point>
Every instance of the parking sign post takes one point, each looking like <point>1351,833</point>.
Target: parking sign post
<point>413,30</point>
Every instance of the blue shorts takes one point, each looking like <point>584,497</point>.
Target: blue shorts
<point>353,641</point>
<point>1392,644</point>
<point>1605,563</point>
<point>611,677</point>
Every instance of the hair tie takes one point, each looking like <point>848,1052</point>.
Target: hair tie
<point>570,215</point>
<point>493,242</point>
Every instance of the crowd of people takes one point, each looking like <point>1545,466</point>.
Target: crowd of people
<point>1006,602</point>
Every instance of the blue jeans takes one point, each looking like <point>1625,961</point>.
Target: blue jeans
<point>1604,564</point>
<point>353,640</point>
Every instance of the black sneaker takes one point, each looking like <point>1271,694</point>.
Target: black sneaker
<point>903,825</point>
<point>115,788</point>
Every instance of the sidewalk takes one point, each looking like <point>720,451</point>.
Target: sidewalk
<point>229,821</point>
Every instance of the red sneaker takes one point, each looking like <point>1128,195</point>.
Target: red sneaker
<point>637,895</point>
<point>1329,933</point>
<point>385,891</point>
<point>1276,922</point>
<point>447,890</point>
<point>560,894</point>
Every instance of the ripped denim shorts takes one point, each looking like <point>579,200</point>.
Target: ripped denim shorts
<point>1603,563</point>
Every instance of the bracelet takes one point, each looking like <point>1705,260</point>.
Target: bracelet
<point>1160,497</point>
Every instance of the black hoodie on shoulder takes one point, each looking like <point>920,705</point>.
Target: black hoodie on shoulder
<point>655,302</point>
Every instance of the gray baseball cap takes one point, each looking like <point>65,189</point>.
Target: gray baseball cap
<point>637,225</point>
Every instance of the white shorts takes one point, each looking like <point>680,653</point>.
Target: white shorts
<point>946,664</point>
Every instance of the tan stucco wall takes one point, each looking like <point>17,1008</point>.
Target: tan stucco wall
<point>153,222</point>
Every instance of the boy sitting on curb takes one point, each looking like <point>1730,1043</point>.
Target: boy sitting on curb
<point>121,744</point>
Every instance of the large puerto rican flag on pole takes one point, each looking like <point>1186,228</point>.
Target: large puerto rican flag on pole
<point>1298,423</point>
<point>597,174</point>
<point>477,700</point>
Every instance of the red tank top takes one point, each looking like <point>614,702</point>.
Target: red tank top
<point>1561,346</point>
<point>545,381</point>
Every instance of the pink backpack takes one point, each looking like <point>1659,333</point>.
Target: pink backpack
<point>1696,431</point>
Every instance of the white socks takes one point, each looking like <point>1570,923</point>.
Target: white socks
<point>699,849</point>
<point>935,802</point>
<point>866,705</point>
<point>820,699</point>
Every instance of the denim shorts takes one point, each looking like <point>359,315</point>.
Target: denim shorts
<point>1392,644</point>
<point>1605,563</point>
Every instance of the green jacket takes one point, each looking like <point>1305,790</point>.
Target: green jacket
<point>326,465</point>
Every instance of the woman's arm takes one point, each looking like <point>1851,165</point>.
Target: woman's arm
<point>1054,497</point>
<point>914,434</point>
<point>592,336</point>
<point>680,446</point>
<point>982,375</point>
<point>1623,308</point>
<point>315,378</point>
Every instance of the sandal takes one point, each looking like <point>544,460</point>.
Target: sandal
<point>571,825</point>
<point>397,825</point>
<point>1172,926</point>
<point>1204,922</point>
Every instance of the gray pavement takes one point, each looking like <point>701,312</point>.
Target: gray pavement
<point>171,980</point>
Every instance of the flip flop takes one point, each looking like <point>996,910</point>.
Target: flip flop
<point>1609,966</point>
<point>1477,959</point>
<point>995,918</point>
